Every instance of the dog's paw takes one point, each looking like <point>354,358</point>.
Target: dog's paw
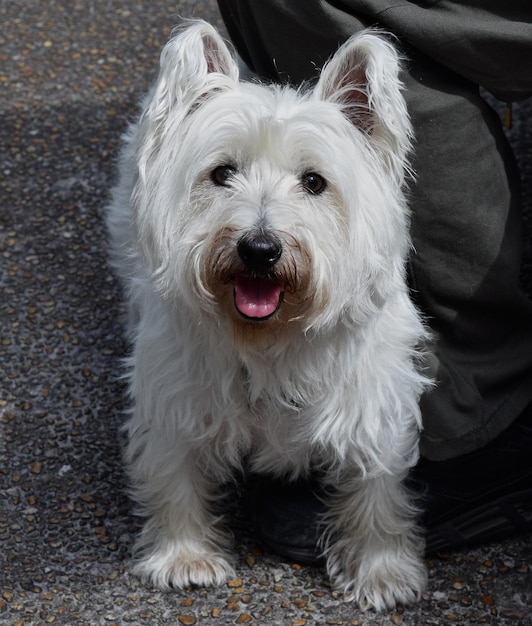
<point>179,568</point>
<point>380,581</point>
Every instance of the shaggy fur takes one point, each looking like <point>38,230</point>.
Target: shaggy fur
<point>262,234</point>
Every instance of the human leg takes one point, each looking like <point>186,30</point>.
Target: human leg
<point>465,228</point>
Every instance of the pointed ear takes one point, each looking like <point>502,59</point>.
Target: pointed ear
<point>363,79</point>
<point>194,63</point>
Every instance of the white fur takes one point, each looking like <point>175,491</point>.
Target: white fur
<point>331,381</point>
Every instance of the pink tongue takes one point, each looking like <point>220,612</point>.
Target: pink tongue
<point>257,297</point>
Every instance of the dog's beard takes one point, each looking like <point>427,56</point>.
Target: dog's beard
<point>260,307</point>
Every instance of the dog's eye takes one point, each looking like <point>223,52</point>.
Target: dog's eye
<point>313,183</point>
<point>222,174</point>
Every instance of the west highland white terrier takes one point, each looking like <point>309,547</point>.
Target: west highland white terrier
<point>262,235</point>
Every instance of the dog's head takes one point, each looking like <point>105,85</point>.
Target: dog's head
<point>272,208</point>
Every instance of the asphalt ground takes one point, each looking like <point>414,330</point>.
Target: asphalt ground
<point>71,73</point>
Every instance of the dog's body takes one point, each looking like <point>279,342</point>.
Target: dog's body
<point>262,234</point>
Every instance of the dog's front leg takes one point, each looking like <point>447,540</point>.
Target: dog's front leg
<point>181,542</point>
<point>375,549</point>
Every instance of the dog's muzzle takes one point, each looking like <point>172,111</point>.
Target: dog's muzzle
<point>258,294</point>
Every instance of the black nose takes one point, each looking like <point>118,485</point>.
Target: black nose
<point>259,252</point>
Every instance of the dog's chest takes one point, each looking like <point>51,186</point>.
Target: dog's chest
<point>279,429</point>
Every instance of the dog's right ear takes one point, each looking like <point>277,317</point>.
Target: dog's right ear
<point>194,64</point>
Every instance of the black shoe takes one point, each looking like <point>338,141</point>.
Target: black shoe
<point>286,517</point>
<point>477,498</point>
<point>481,496</point>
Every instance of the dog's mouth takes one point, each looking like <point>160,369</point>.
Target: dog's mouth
<point>257,298</point>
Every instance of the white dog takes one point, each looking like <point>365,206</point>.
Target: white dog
<point>262,234</point>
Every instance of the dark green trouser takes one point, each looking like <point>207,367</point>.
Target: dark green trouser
<point>466,223</point>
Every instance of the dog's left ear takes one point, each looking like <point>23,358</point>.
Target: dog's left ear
<point>363,78</point>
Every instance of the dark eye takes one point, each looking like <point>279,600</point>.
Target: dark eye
<point>313,183</point>
<point>222,174</point>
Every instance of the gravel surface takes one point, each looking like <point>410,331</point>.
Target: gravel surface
<point>71,73</point>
